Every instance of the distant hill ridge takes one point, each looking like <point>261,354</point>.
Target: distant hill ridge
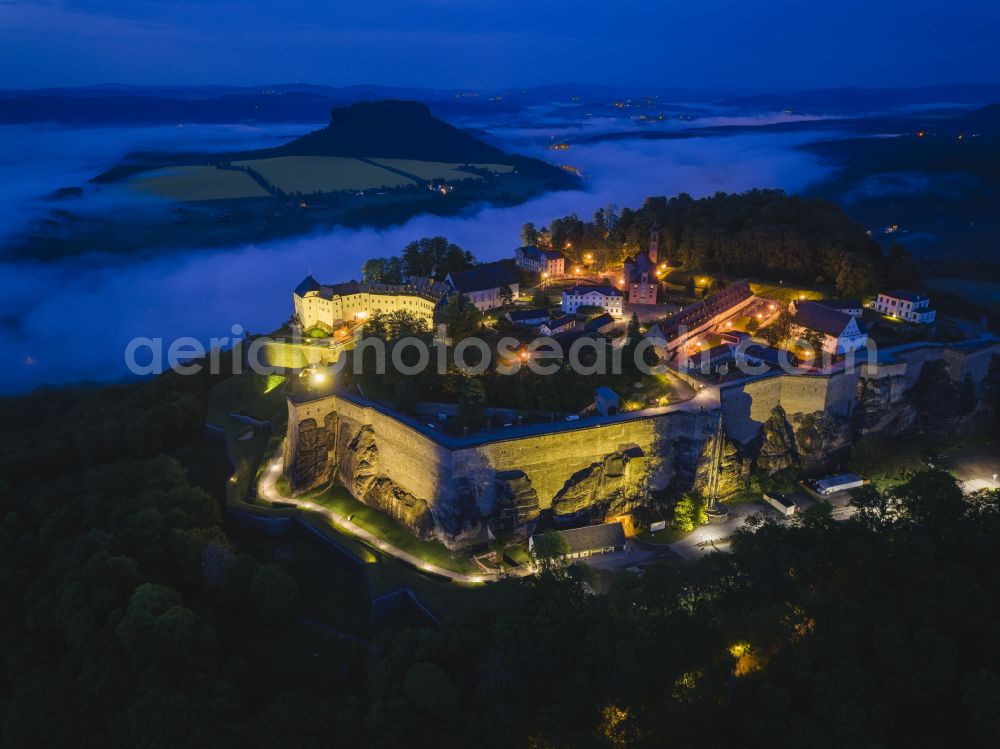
<point>390,129</point>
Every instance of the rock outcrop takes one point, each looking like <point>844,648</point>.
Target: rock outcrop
<point>361,472</point>
<point>311,463</point>
<point>721,469</point>
<point>883,405</point>
<point>777,447</point>
<point>610,483</point>
<point>820,437</point>
<point>516,501</point>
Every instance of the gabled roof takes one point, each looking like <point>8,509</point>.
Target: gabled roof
<point>906,296</point>
<point>340,289</point>
<point>483,277</point>
<point>600,321</point>
<point>307,285</point>
<point>429,287</point>
<point>841,304</point>
<point>594,537</point>
<point>604,289</point>
<point>417,285</point>
<point>717,353</point>
<point>703,311</point>
<point>816,316</point>
<point>520,315</point>
<point>560,321</point>
<point>769,355</point>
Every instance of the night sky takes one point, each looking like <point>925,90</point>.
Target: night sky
<point>732,45</point>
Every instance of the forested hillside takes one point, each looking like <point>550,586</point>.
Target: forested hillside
<point>759,233</point>
<point>128,617</point>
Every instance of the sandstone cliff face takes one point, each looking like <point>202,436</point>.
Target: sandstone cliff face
<point>610,484</point>
<point>819,437</point>
<point>311,464</point>
<point>362,473</point>
<point>720,469</point>
<point>361,470</point>
<point>935,404</point>
<point>516,501</point>
<point>777,447</point>
<point>883,405</point>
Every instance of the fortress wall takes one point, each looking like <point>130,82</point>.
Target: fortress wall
<point>975,364</point>
<point>419,465</point>
<point>443,486</point>
<point>748,405</point>
<point>551,460</point>
<point>439,474</point>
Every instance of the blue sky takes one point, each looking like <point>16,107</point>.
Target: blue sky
<point>746,45</point>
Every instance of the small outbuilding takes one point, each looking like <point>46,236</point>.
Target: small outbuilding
<point>593,539</point>
<point>601,323</point>
<point>528,317</point>
<point>606,401</point>
<point>782,504</point>
<point>842,482</point>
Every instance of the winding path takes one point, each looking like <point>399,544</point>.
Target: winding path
<point>268,489</point>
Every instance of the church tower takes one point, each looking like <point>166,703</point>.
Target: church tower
<point>654,244</point>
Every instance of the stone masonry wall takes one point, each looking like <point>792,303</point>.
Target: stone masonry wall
<point>448,492</point>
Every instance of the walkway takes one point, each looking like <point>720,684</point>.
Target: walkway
<point>268,489</point>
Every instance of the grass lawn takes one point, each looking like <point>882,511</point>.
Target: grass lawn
<point>195,183</point>
<point>519,554</point>
<point>786,294</point>
<point>297,355</point>
<point>668,535</point>
<point>309,174</point>
<point>386,528</point>
<point>653,386</point>
<point>681,276</point>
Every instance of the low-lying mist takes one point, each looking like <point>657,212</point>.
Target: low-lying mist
<point>70,321</point>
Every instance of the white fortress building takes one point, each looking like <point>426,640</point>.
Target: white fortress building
<point>328,306</point>
<point>906,305</point>
<point>610,299</point>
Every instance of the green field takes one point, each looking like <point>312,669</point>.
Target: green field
<point>309,174</point>
<point>196,183</point>
<point>433,170</point>
<point>298,174</point>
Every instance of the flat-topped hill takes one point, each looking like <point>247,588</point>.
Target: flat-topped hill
<point>389,129</point>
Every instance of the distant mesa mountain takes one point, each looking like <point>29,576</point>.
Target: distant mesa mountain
<point>389,129</point>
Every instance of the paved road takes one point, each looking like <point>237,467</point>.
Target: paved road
<point>268,489</point>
